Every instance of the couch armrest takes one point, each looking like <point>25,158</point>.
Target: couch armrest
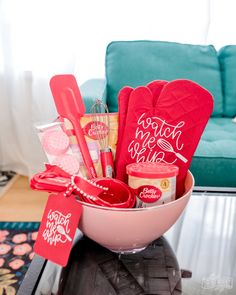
<point>91,90</point>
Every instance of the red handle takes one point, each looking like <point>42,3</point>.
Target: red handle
<point>107,163</point>
<point>84,150</point>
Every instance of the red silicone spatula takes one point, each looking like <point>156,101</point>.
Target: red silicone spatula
<point>69,104</point>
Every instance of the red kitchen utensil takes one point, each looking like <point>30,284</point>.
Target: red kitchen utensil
<point>106,192</point>
<point>101,121</point>
<point>117,194</point>
<point>54,179</point>
<point>69,104</point>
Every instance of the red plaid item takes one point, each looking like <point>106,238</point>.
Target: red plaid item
<point>163,122</point>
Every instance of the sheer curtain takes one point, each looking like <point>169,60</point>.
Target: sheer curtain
<point>41,38</point>
<point>37,40</point>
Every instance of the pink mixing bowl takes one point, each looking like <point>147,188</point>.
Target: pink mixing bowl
<point>131,230</point>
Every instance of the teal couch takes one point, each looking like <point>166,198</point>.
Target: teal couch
<point>136,63</point>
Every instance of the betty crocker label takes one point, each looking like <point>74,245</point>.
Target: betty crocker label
<point>96,130</point>
<point>149,193</point>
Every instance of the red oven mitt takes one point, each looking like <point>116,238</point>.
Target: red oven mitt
<point>163,123</point>
<point>123,101</point>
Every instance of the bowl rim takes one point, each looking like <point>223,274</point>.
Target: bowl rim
<point>185,195</point>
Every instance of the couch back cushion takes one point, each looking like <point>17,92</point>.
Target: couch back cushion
<point>227,58</point>
<point>136,63</point>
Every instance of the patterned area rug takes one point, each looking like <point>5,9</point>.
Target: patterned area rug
<point>16,252</point>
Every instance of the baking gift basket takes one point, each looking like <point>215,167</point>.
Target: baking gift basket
<point>122,178</point>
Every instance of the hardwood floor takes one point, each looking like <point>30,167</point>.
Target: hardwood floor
<point>20,203</point>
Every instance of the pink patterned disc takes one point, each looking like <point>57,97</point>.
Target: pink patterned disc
<point>67,162</point>
<point>55,142</point>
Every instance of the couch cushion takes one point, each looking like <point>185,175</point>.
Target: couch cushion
<point>136,63</point>
<point>227,58</point>
<point>214,162</point>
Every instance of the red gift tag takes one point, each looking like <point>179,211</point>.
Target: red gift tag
<point>57,229</point>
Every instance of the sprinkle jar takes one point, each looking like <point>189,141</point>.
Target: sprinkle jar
<point>153,183</point>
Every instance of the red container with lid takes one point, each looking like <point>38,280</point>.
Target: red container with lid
<point>153,183</point>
